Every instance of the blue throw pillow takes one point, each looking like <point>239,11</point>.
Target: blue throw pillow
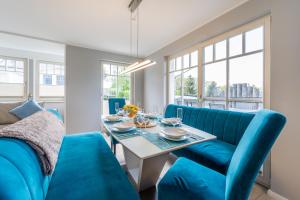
<point>26,109</point>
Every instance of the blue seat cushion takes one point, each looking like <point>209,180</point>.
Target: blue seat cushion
<point>87,169</point>
<point>26,109</point>
<point>55,112</point>
<point>214,154</point>
<point>189,180</point>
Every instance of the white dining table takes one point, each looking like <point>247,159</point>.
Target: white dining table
<point>145,160</point>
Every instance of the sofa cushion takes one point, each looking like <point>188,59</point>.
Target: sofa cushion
<point>189,180</point>
<point>5,116</point>
<point>21,175</point>
<point>87,169</point>
<point>26,109</point>
<point>214,154</point>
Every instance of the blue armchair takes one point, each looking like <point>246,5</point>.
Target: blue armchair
<point>187,179</point>
<point>111,104</point>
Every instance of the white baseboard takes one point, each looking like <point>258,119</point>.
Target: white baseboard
<point>275,195</point>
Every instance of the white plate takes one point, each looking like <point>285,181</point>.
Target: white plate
<point>174,133</point>
<point>124,126</point>
<point>167,121</point>
<point>173,139</point>
<point>122,131</point>
<point>113,118</point>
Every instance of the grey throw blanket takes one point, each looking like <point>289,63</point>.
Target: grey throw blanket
<point>43,132</point>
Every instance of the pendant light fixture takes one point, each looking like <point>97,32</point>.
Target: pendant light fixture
<point>139,64</point>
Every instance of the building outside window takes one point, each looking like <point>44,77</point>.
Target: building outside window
<point>13,77</point>
<point>51,80</point>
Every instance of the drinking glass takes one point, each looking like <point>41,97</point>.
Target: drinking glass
<point>140,120</point>
<point>117,107</point>
<point>180,114</point>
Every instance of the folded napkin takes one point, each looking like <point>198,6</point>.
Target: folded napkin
<point>44,132</point>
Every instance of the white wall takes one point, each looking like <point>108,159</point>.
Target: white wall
<point>83,87</point>
<point>285,81</point>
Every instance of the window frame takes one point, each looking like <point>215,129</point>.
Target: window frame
<point>55,99</point>
<point>265,22</point>
<point>25,77</point>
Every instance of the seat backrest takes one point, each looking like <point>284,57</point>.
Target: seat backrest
<point>21,175</point>
<point>111,104</point>
<point>251,152</point>
<point>228,126</point>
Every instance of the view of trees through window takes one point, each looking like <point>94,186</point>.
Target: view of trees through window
<point>183,79</point>
<point>114,84</point>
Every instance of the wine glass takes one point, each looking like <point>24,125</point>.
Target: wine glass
<point>146,121</point>
<point>117,107</point>
<point>180,115</point>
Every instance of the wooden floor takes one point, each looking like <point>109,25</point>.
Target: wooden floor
<point>258,193</point>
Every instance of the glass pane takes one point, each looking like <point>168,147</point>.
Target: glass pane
<point>246,76</point>
<point>190,86</point>
<point>245,106</point>
<point>215,79</point>
<point>43,68</point>
<point>11,65</point>
<point>106,69</point>
<point>178,63</point>
<point>213,104</point>
<point>120,69</point>
<point>124,87</point>
<point>109,86</point>
<point>175,87</point>
<point>220,50</point>
<point>236,45</point>
<point>186,61</point>
<point>58,69</point>
<point>208,54</point>
<point>2,62</point>
<point>254,39</point>
<point>114,70</point>
<point>50,69</point>
<point>172,65</point>
<point>2,68</point>
<point>20,66</point>
<point>194,58</point>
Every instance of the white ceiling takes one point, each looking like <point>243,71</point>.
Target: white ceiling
<point>104,24</point>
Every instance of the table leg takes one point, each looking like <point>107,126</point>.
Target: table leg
<point>144,172</point>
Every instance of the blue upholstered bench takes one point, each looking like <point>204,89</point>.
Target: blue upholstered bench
<point>228,126</point>
<point>187,179</point>
<point>86,169</point>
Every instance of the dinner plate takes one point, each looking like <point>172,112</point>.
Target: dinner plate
<point>124,126</point>
<point>173,139</point>
<point>168,121</point>
<point>123,131</point>
<point>112,118</point>
<point>174,133</point>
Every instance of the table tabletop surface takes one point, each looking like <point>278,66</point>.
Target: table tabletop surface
<point>143,148</point>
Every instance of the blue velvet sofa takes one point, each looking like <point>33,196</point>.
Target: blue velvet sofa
<point>227,126</point>
<point>86,169</point>
<point>250,137</point>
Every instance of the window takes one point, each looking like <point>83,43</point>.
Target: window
<point>51,80</point>
<point>183,79</point>
<point>233,70</point>
<point>114,84</point>
<point>234,79</point>
<point>12,77</point>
